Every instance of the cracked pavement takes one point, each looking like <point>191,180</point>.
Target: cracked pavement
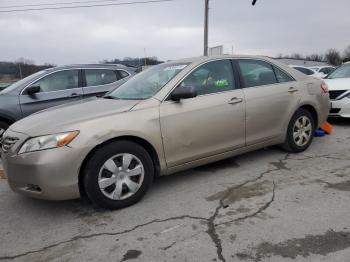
<point>262,206</point>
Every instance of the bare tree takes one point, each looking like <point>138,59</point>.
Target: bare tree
<point>333,57</point>
<point>296,56</point>
<point>316,57</point>
<point>24,61</point>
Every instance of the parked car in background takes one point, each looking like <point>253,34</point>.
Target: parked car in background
<point>305,70</point>
<point>170,117</point>
<point>4,85</point>
<point>322,71</point>
<point>57,86</point>
<point>339,91</point>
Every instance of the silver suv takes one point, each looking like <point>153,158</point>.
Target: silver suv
<point>57,86</point>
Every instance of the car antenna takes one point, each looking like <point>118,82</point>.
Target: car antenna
<point>254,2</point>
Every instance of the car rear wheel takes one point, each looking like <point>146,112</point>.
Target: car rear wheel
<point>300,131</point>
<point>118,175</point>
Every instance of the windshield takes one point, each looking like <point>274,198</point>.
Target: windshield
<point>147,83</point>
<point>24,81</point>
<point>341,72</point>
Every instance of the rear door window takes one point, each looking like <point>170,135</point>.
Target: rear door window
<point>257,73</point>
<point>97,77</point>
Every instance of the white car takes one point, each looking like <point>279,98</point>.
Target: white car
<point>305,70</point>
<point>339,91</point>
<point>322,71</point>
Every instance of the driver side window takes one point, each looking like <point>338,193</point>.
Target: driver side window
<point>212,77</point>
<point>61,80</point>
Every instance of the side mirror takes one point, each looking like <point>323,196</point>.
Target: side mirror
<point>183,93</point>
<point>31,90</point>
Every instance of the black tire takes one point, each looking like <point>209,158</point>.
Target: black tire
<point>290,145</point>
<point>96,162</point>
<point>3,125</point>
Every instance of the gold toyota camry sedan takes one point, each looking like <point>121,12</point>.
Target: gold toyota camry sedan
<point>171,117</point>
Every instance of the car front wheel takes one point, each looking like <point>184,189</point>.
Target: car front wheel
<point>118,174</point>
<point>300,131</point>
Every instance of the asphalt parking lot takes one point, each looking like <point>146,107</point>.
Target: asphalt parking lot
<point>262,206</point>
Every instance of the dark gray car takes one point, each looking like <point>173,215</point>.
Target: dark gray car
<point>57,86</point>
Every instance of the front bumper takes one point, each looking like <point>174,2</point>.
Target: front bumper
<point>340,108</point>
<point>51,174</point>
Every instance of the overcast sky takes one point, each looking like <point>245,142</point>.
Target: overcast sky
<point>172,30</point>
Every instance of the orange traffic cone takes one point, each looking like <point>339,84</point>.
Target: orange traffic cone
<point>327,127</point>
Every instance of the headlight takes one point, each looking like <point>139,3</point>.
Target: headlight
<point>47,142</point>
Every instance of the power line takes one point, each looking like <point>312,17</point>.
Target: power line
<point>84,6</point>
<point>62,3</point>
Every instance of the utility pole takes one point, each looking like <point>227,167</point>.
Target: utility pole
<point>145,56</point>
<point>206,22</point>
<point>20,70</point>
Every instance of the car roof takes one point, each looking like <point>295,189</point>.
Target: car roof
<point>321,66</point>
<point>299,66</point>
<point>201,59</point>
<point>92,66</point>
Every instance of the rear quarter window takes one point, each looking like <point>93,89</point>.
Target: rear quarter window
<point>282,77</point>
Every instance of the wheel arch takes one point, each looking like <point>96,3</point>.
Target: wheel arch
<point>8,120</point>
<point>312,111</point>
<point>307,106</point>
<point>138,140</point>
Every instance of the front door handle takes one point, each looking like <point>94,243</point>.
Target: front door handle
<point>292,90</point>
<point>74,95</point>
<point>235,100</point>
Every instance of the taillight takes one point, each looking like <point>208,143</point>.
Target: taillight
<point>324,88</point>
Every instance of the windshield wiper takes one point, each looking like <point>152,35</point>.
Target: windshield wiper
<point>109,97</point>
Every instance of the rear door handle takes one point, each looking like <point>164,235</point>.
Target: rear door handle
<point>292,90</point>
<point>235,100</point>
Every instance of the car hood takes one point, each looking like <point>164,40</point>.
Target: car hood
<point>55,119</point>
<point>338,84</point>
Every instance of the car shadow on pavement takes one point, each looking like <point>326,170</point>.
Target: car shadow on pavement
<point>162,183</point>
<point>339,121</point>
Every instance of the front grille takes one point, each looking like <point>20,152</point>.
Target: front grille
<point>335,110</point>
<point>7,143</point>
<point>336,93</point>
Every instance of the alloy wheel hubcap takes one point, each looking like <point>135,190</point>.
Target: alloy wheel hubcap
<point>302,131</point>
<point>121,176</point>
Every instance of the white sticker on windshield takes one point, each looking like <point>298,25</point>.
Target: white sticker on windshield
<point>177,67</point>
